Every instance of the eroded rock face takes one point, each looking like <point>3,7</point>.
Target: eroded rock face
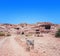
<point>42,27</point>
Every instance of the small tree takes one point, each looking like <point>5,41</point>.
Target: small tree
<point>57,33</point>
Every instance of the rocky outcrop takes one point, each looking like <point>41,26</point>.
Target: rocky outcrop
<point>41,27</point>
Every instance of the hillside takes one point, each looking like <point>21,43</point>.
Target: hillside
<point>29,39</point>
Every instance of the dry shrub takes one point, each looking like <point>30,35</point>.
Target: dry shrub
<point>8,34</point>
<point>57,33</point>
<point>2,34</point>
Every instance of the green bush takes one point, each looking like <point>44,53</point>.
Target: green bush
<point>2,34</point>
<point>57,33</point>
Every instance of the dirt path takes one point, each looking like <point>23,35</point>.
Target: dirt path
<point>9,47</point>
<point>2,42</point>
<point>43,46</point>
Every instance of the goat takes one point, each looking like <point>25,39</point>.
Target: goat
<point>30,44</point>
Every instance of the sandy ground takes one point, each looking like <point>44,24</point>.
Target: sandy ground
<point>43,46</point>
<point>48,45</point>
<point>9,47</point>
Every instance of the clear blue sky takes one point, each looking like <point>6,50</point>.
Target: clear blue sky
<point>29,11</point>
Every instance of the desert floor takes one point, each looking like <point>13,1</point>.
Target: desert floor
<point>15,45</point>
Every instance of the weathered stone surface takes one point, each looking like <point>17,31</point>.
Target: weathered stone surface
<point>43,27</point>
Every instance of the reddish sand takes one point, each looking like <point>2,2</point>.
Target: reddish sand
<point>10,47</point>
<point>43,46</point>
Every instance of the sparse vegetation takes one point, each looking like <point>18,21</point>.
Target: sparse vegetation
<point>8,34</point>
<point>57,33</point>
<point>2,34</point>
<point>29,35</point>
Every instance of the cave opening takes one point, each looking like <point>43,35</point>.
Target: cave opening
<point>22,33</point>
<point>37,31</point>
<point>47,27</point>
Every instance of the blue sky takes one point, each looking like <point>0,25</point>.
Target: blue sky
<point>29,11</point>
